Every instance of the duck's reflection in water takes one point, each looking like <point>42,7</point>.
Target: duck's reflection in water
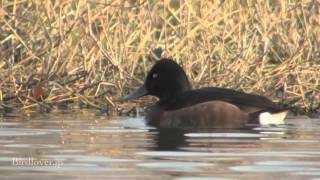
<point>169,139</point>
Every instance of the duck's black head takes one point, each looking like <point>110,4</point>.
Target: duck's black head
<point>165,79</point>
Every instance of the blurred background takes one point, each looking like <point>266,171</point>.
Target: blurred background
<point>82,53</point>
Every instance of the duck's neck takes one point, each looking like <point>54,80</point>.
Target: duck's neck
<point>169,99</point>
<point>174,92</point>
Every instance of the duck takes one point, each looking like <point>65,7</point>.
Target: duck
<point>181,106</point>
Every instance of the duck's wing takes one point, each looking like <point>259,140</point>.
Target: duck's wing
<point>246,102</point>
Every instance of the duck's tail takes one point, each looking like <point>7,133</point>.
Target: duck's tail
<point>265,117</point>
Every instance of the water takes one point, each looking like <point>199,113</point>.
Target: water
<point>85,145</point>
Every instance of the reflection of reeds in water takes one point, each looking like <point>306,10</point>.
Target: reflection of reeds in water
<point>61,52</point>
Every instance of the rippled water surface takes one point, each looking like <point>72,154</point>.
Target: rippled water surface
<point>84,145</point>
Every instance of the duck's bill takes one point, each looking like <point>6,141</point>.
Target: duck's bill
<point>142,91</point>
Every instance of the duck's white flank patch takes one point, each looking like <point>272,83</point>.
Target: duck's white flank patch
<point>266,118</point>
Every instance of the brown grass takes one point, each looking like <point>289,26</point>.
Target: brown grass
<point>89,53</point>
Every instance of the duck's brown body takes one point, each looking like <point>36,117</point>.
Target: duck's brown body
<point>217,114</point>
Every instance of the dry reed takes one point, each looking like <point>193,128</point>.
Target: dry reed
<point>89,53</point>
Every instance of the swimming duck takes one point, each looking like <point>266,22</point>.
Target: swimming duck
<point>181,106</point>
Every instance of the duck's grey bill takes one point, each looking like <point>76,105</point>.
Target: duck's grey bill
<point>142,91</point>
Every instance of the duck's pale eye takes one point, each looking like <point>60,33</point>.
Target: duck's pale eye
<point>154,75</point>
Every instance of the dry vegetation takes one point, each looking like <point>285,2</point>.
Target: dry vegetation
<point>89,53</point>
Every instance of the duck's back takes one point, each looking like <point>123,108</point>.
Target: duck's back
<point>246,102</point>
